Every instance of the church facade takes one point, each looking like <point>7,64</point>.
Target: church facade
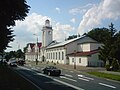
<point>83,51</point>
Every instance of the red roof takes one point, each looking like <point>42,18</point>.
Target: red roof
<point>39,45</point>
<point>84,53</point>
<point>32,45</point>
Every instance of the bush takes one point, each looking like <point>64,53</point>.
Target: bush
<point>107,67</point>
<point>115,65</point>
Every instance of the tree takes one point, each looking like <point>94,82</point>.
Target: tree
<point>72,37</point>
<point>117,47</point>
<point>109,52</point>
<point>99,34</point>
<point>10,10</point>
<point>19,54</point>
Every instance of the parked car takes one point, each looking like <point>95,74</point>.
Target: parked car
<point>51,70</point>
<point>21,62</point>
<point>12,63</point>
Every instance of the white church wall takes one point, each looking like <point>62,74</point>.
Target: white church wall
<point>78,61</point>
<point>71,47</point>
<point>56,55</point>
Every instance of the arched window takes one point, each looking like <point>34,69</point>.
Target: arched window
<point>62,55</point>
<point>59,55</point>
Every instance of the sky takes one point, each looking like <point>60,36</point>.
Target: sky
<point>68,17</point>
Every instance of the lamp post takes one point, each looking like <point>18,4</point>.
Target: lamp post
<point>74,59</point>
<point>36,60</point>
<point>18,45</point>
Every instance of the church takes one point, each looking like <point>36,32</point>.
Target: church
<point>80,51</point>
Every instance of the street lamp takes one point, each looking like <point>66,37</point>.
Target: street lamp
<point>74,59</point>
<point>18,45</point>
<point>37,50</point>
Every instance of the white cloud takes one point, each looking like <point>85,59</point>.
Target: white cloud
<point>61,31</point>
<point>73,20</point>
<point>107,9</point>
<point>80,10</point>
<point>57,9</point>
<point>33,24</point>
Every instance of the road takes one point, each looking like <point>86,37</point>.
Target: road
<point>69,80</point>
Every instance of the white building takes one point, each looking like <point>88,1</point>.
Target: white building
<point>33,52</point>
<point>81,51</point>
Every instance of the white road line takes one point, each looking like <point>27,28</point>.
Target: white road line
<point>70,85</point>
<point>68,75</point>
<point>86,77</point>
<point>83,79</point>
<point>107,85</point>
<point>68,78</point>
<point>71,71</point>
<point>24,68</point>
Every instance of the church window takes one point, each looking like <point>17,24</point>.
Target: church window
<point>62,55</point>
<point>53,55</point>
<point>56,55</point>
<point>59,55</point>
<point>79,60</point>
<point>49,55</point>
<point>73,60</point>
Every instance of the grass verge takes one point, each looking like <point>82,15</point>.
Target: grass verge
<point>106,75</point>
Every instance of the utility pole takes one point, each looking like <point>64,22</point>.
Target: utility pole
<point>36,60</point>
<point>74,59</point>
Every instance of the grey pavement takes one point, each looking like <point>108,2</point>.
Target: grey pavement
<point>63,66</point>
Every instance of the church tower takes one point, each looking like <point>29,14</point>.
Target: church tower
<point>47,34</point>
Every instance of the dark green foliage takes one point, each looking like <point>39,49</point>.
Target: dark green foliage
<point>6,36</point>
<point>115,65</point>
<point>99,34</point>
<point>19,54</point>
<point>14,54</point>
<point>111,48</point>
<point>72,37</point>
<point>10,10</point>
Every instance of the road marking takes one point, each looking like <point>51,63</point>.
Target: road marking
<point>83,79</point>
<point>68,75</point>
<point>71,71</point>
<point>86,77</point>
<point>68,78</point>
<point>34,68</point>
<point>24,68</point>
<point>107,85</point>
<point>70,85</point>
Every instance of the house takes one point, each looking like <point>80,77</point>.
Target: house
<point>33,51</point>
<point>83,51</point>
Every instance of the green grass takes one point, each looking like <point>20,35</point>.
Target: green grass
<point>106,75</point>
<point>9,80</point>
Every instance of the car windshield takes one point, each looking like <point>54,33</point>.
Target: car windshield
<point>51,67</point>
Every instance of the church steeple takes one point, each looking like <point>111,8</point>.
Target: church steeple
<point>47,23</point>
<point>47,34</point>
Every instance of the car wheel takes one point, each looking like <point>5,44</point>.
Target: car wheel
<point>49,73</point>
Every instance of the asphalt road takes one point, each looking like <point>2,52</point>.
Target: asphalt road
<point>69,80</point>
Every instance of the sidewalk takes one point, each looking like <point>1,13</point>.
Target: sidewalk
<point>82,69</point>
<point>64,66</point>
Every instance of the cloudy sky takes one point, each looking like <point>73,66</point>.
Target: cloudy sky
<point>67,17</point>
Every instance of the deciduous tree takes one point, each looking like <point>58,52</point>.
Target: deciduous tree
<point>10,10</point>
